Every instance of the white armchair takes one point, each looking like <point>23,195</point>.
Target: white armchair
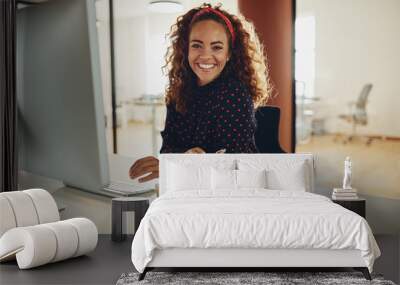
<point>31,231</point>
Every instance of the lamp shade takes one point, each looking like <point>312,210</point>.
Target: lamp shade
<point>165,6</point>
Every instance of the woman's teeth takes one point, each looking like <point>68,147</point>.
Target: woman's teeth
<point>206,66</point>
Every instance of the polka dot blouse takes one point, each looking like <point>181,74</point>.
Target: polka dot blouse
<point>221,116</point>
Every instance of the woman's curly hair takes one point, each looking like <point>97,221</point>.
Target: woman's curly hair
<point>247,61</point>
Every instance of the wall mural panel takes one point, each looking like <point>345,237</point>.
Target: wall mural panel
<point>347,99</point>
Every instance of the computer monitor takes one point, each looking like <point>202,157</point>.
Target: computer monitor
<point>61,115</point>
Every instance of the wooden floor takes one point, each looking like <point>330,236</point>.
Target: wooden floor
<point>110,260</point>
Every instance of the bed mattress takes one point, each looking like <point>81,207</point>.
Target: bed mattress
<point>250,219</point>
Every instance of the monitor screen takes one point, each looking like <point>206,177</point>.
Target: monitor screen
<point>61,115</point>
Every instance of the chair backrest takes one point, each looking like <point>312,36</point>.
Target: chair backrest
<point>363,97</point>
<point>26,208</point>
<point>267,133</point>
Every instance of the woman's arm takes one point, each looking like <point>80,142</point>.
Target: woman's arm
<point>169,135</point>
<point>236,123</point>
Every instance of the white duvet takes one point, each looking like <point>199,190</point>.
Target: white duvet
<point>253,218</point>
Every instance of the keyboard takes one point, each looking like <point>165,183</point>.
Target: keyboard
<point>127,189</point>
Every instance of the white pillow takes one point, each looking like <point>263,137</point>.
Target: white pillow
<point>227,179</point>
<point>251,178</point>
<point>293,178</point>
<point>223,179</point>
<point>285,174</point>
<point>181,177</point>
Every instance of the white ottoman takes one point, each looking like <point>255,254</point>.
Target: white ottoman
<point>31,232</point>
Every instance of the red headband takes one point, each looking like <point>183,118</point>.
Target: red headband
<point>218,13</point>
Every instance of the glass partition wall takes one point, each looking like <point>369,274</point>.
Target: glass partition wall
<point>347,98</point>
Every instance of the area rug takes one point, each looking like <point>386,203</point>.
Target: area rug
<point>244,278</point>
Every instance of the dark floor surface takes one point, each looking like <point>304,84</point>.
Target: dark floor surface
<point>102,266</point>
<point>111,259</point>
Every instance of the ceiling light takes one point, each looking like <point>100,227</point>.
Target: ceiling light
<point>165,6</point>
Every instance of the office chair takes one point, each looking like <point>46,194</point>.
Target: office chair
<point>357,114</point>
<point>267,132</point>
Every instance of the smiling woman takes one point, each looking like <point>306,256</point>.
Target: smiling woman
<point>217,76</point>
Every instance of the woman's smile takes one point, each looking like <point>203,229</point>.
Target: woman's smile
<point>205,67</point>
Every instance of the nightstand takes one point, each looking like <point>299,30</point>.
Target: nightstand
<point>357,205</point>
<point>138,204</point>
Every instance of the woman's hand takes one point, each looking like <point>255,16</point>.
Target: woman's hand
<point>148,164</point>
<point>195,150</point>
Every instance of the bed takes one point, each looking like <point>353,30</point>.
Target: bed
<point>246,211</point>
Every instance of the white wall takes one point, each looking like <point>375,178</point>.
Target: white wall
<point>140,46</point>
<point>157,44</point>
<point>130,60</point>
<point>357,41</point>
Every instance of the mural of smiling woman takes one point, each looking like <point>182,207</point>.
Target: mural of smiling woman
<point>217,76</point>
